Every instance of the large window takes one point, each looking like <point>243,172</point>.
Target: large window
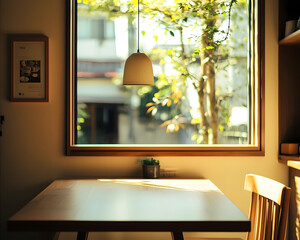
<point>208,69</point>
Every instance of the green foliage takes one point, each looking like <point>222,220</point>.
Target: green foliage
<point>149,161</point>
<point>82,117</point>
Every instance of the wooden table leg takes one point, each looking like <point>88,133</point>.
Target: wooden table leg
<point>177,236</point>
<point>82,236</point>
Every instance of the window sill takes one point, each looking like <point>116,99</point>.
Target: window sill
<point>164,150</point>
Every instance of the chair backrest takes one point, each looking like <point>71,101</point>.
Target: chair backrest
<point>269,208</point>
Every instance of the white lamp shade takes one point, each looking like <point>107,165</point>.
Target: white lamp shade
<point>138,70</point>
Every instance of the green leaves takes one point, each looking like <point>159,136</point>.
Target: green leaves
<point>149,161</point>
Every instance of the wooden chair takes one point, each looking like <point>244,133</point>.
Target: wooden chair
<point>268,211</point>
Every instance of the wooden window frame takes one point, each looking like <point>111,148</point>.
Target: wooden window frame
<point>257,146</point>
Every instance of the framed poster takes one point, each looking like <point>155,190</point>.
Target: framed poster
<point>29,69</point>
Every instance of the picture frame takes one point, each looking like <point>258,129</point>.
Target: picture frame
<point>29,68</point>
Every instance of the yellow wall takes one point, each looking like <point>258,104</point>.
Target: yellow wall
<point>33,141</point>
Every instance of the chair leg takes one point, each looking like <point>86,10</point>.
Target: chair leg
<point>82,236</point>
<point>177,236</point>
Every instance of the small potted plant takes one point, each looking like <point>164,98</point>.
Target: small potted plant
<point>151,167</point>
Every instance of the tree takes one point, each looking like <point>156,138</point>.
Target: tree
<point>196,58</point>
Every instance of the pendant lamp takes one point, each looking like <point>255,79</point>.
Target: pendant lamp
<point>138,67</point>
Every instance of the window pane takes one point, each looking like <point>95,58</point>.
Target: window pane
<point>202,83</point>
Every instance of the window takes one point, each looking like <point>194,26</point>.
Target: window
<point>208,96</point>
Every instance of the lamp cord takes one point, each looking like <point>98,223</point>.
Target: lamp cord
<point>138,50</point>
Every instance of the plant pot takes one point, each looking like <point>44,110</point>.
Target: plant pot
<point>151,171</point>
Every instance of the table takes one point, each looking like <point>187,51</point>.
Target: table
<point>139,205</point>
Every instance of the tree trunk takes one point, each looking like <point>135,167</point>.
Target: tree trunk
<point>202,104</point>
<point>201,93</point>
<point>207,83</point>
<point>211,90</point>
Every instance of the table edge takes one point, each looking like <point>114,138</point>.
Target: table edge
<point>133,226</point>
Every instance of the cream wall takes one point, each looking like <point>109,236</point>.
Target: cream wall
<point>33,141</point>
